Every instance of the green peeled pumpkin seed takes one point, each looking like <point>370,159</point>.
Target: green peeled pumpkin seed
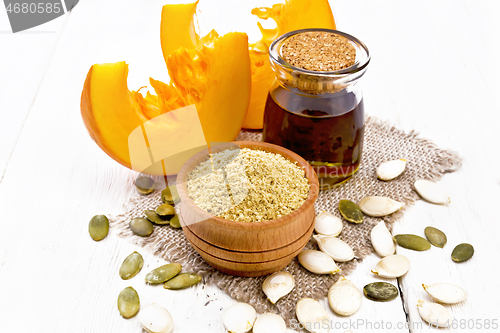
<point>144,185</point>
<point>131,266</point>
<point>163,273</point>
<point>462,252</point>
<point>435,236</point>
<point>350,211</point>
<point>128,302</point>
<point>412,242</point>
<point>174,222</point>
<point>166,211</point>
<point>155,218</point>
<point>181,281</point>
<point>380,291</point>
<point>168,197</point>
<point>141,226</point>
<point>98,227</point>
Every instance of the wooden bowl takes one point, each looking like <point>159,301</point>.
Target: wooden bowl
<point>247,248</point>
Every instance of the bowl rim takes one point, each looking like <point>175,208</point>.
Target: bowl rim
<point>190,164</point>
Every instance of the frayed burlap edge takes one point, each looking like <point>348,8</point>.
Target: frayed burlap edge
<point>382,142</point>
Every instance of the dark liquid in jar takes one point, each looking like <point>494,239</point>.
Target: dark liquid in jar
<point>326,130</point>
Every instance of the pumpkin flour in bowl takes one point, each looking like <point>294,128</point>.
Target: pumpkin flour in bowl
<point>248,185</point>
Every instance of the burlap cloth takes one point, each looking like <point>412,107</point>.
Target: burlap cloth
<point>382,143</point>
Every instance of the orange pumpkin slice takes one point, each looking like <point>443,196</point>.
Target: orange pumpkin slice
<point>142,132</point>
<point>292,15</point>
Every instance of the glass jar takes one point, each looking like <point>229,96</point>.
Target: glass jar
<point>318,114</point>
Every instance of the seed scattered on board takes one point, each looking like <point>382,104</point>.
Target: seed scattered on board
<point>392,266</point>
<point>435,314</point>
<point>98,227</point>
<point>144,185</point>
<point>412,242</point>
<point>141,226</point>
<point>350,211</point>
<point>163,273</point>
<point>379,206</point>
<point>382,240</point>
<point>278,285</point>
<point>131,266</point>
<point>431,192</point>
<point>462,252</point>
<point>446,293</point>
<point>269,323</point>
<point>182,281</point>
<point>317,262</point>
<point>391,169</point>
<point>380,291</point>
<point>311,315</point>
<point>328,224</point>
<point>435,236</point>
<point>336,248</point>
<point>344,297</point>
<point>128,302</point>
<point>154,318</point>
<point>239,318</point>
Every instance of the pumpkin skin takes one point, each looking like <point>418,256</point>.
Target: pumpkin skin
<point>220,90</point>
<point>292,15</point>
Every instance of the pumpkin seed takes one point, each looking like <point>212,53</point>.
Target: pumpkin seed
<point>166,211</point>
<point>350,211</point>
<point>144,185</point>
<point>379,206</point>
<point>128,302</point>
<point>435,236</point>
<point>462,252</point>
<point>412,242</point>
<point>445,292</point>
<point>328,224</point>
<point>269,323</point>
<point>344,297</point>
<point>431,192</point>
<point>382,240</point>
<point>278,285</point>
<point>155,218</point>
<point>181,281</point>
<point>98,227</point>
<point>318,262</point>
<point>435,314</point>
<point>141,226</point>
<point>155,318</point>
<point>392,266</point>
<point>336,248</point>
<point>239,318</point>
<point>163,273</point>
<point>174,222</point>
<point>391,169</point>
<point>131,266</point>
<point>168,197</point>
<point>380,291</point>
<point>311,315</point>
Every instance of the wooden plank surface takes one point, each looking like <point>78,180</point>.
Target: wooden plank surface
<point>433,69</point>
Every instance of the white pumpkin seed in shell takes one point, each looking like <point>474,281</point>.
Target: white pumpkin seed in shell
<point>391,169</point>
<point>447,293</point>
<point>344,298</point>
<point>239,318</point>
<point>155,318</point>
<point>435,314</point>
<point>431,192</point>
<point>312,315</point>
<point>336,248</point>
<point>278,285</point>
<point>269,323</point>
<point>318,262</point>
<point>392,266</point>
<point>328,224</point>
<point>379,206</point>
<point>382,240</point>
